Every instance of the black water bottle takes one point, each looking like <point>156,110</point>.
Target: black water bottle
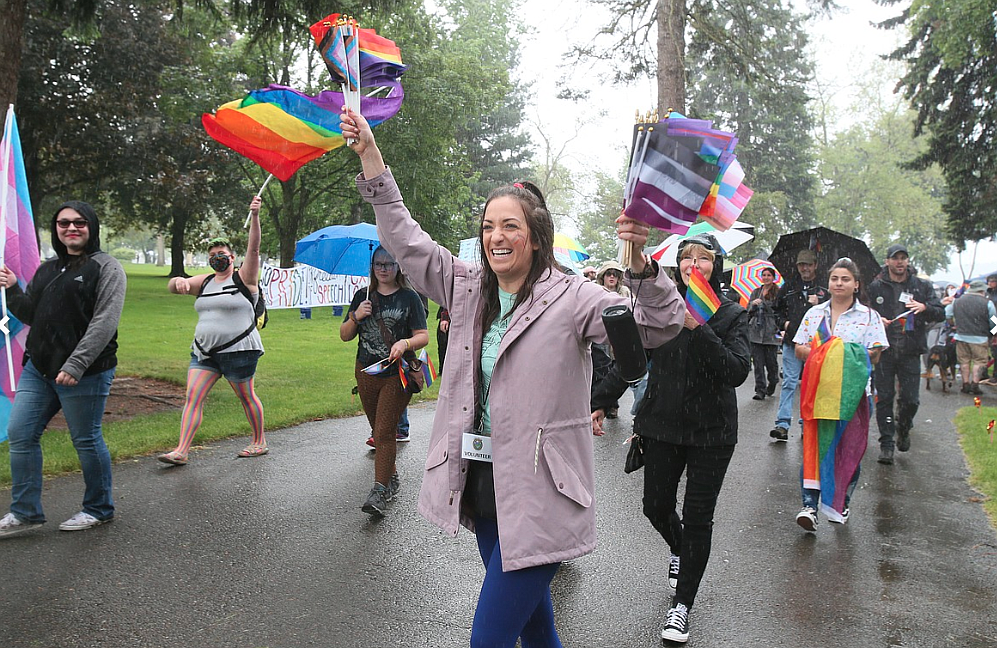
<point>631,362</point>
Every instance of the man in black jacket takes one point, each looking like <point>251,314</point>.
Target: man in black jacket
<point>73,305</point>
<point>907,305</point>
<point>795,298</point>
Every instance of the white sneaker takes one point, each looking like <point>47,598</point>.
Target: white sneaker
<point>82,521</point>
<point>10,525</point>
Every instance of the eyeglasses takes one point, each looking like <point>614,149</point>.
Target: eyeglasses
<point>78,223</point>
<point>385,266</point>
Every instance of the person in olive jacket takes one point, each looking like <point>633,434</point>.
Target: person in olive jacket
<point>687,422</point>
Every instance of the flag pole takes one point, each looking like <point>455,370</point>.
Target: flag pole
<point>4,194</point>
<point>258,194</point>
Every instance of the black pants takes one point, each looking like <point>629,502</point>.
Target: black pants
<point>442,337</point>
<point>691,536</point>
<point>894,368</point>
<point>765,359</point>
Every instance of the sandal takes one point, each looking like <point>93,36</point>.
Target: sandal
<point>253,450</point>
<point>174,457</point>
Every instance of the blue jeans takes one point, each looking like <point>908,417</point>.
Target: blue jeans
<point>403,423</point>
<point>792,367</point>
<point>38,399</point>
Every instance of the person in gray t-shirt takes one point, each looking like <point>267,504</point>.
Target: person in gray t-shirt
<point>226,342</point>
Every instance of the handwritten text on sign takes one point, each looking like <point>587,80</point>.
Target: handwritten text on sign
<point>307,287</point>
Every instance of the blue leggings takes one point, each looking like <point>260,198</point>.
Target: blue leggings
<point>512,604</point>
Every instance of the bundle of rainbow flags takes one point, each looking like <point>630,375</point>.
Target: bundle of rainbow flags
<point>282,129</point>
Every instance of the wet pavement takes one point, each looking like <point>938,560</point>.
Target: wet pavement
<point>275,552</point>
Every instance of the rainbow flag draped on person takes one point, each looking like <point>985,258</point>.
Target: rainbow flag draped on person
<point>19,252</point>
<point>700,299</point>
<point>835,410</point>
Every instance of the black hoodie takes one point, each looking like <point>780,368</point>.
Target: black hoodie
<point>690,397</point>
<point>73,305</point>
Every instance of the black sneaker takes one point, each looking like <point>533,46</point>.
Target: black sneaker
<point>885,456</point>
<point>394,485</point>
<point>779,434</point>
<point>903,440</point>
<point>771,389</point>
<point>673,571</point>
<point>677,624</point>
<point>807,518</point>
<point>758,396</point>
<point>377,501</point>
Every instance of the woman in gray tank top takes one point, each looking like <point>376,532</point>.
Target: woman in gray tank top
<point>226,342</point>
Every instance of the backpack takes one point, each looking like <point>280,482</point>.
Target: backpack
<point>259,310</point>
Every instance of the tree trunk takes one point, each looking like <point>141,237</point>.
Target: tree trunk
<point>671,56</point>
<point>287,229</point>
<point>178,227</point>
<point>11,44</point>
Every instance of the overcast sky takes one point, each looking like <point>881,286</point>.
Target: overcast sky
<point>845,47</point>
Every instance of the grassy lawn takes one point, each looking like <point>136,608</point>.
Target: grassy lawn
<point>981,454</point>
<point>305,374</point>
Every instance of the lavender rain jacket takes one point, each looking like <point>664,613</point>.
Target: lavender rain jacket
<point>540,410</point>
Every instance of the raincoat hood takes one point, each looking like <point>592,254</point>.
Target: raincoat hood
<point>93,228</point>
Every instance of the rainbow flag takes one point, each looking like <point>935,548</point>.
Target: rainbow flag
<point>428,370</point>
<point>379,61</point>
<point>700,299</point>
<point>282,129</point>
<point>728,197</point>
<point>823,333</point>
<point>19,251</point>
<point>835,410</point>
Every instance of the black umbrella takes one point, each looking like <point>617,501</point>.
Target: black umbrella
<point>829,247</point>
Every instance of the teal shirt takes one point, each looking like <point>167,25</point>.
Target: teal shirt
<point>489,352</point>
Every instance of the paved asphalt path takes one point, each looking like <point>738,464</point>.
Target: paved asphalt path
<point>275,552</point>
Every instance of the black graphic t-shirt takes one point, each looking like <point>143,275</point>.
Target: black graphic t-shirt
<point>402,313</point>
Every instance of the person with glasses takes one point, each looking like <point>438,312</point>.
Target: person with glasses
<point>226,342</point>
<point>390,320</point>
<point>687,423</point>
<point>510,454</point>
<point>73,304</point>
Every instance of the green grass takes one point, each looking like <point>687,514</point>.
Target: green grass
<point>981,454</point>
<point>305,374</point>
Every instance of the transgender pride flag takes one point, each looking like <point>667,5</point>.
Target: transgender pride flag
<point>19,252</point>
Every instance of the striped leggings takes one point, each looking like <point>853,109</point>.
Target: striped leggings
<point>383,400</point>
<point>199,383</point>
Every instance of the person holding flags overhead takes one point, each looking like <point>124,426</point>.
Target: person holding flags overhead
<point>687,421</point>
<point>510,454</point>
<point>839,341</point>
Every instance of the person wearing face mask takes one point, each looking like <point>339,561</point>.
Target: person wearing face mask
<point>226,342</point>
<point>687,423</point>
<point>795,298</point>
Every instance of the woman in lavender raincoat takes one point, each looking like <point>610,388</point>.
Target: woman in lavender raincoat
<point>516,390</point>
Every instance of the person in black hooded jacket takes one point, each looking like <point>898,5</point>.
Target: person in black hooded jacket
<point>73,305</point>
<point>687,422</point>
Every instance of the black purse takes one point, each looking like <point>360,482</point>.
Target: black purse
<point>635,455</point>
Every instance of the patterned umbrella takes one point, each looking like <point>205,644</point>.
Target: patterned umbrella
<point>747,276</point>
<point>739,234</point>
<point>570,248</point>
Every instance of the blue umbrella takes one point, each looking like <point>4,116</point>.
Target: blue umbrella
<point>339,249</point>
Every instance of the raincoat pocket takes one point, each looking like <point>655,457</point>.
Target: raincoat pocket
<point>437,454</point>
<point>565,477</point>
